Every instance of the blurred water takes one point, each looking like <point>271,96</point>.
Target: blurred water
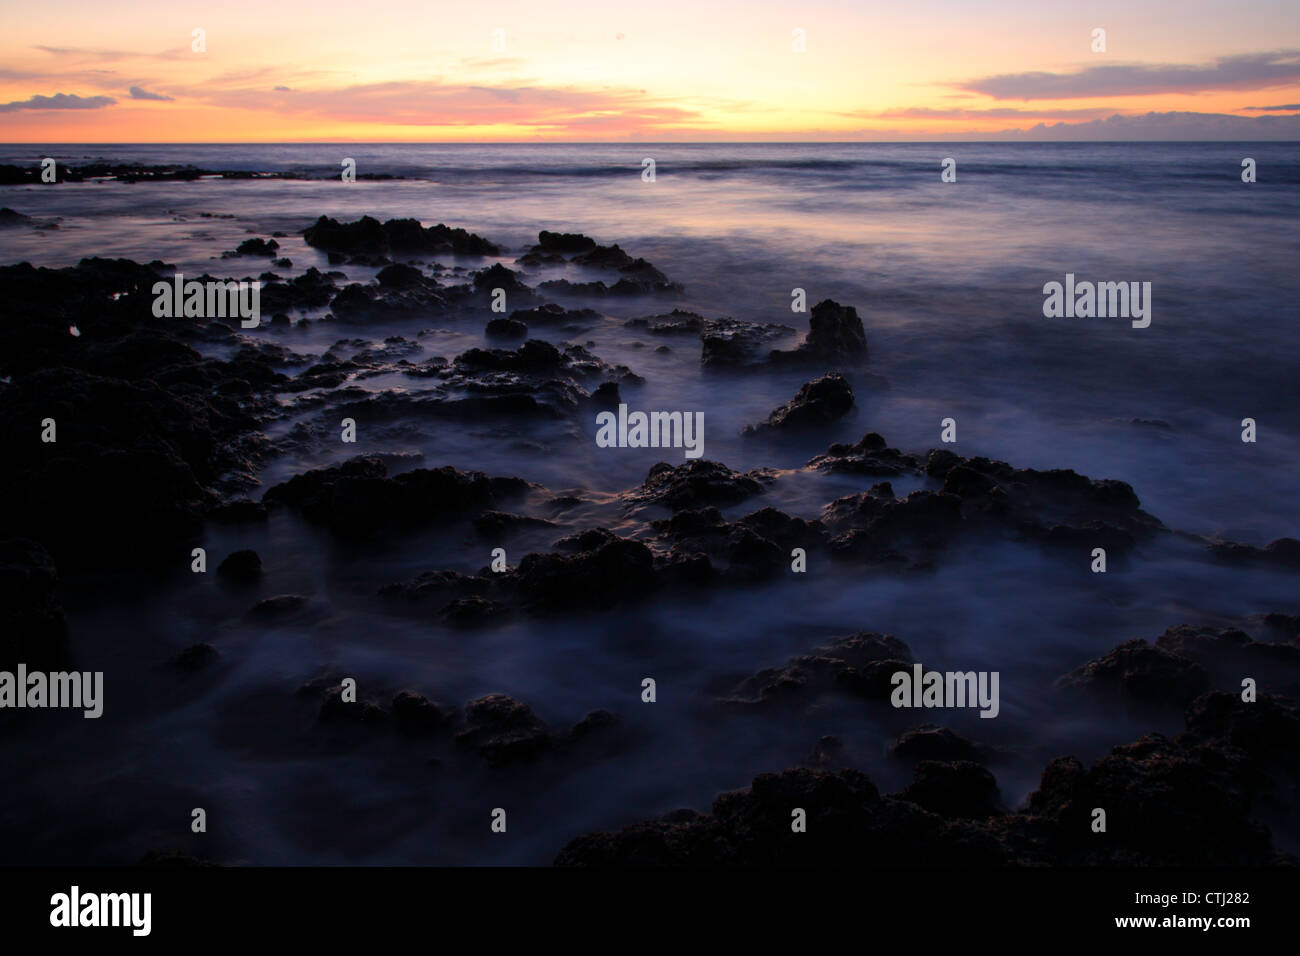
<point>948,279</point>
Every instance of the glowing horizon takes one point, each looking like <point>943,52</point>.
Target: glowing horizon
<point>679,72</point>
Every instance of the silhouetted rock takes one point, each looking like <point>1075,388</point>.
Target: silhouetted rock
<point>358,498</point>
<point>929,742</point>
<point>501,328</point>
<point>241,567</point>
<point>955,789</point>
<point>696,483</point>
<point>1141,672</point>
<point>369,236</point>
<point>417,715</point>
<point>835,336</point>
<point>254,247</point>
<point>817,403</point>
<point>859,665</point>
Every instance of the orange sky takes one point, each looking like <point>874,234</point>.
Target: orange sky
<point>582,70</point>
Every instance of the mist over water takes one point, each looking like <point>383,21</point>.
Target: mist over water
<point>948,280</point>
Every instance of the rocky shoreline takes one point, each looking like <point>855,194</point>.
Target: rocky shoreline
<point>159,438</point>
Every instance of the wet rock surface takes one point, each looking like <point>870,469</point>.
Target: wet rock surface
<point>160,443</point>
<point>1155,791</point>
<point>369,236</point>
<point>817,403</point>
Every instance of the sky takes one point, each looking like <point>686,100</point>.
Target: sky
<point>671,70</point>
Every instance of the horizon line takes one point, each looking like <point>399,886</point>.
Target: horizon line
<point>736,142</point>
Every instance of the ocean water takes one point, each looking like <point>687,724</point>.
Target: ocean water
<point>948,279</point>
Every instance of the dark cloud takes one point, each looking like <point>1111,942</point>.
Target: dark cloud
<point>1284,108</point>
<point>138,94</point>
<point>1250,71</point>
<point>59,101</point>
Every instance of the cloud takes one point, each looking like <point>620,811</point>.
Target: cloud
<point>1171,126</point>
<point>59,101</point>
<point>282,89</point>
<point>433,104</point>
<point>1284,108</point>
<point>1249,71</point>
<point>139,94</point>
<point>1001,112</point>
<point>107,55</point>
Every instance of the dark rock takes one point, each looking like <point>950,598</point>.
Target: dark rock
<point>1141,672</point>
<point>676,322</point>
<point>504,730</point>
<point>955,789</point>
<point>835,335</point>
<point>563,243</point>
<point>848,825</point>
<point>195,658</point>
<point>473,611</point>
<point>238,512</point>
<point>369,236</point>
<point>255,247</point>
<point>695,484</point>
<point>616,571</point>
<point>817,403</point>
<point>859,665</point>
<point>501,328</point>
<point>732,343</point>
<point>870,455</point>
<point>606,396</point>
<point>357,499</point>
<point>496,524</point>
<point>1288,625</point>
<point>277,608</point>
<point>32,627</point>
<point>241,567</point>
<point>417,715</point>
<point>929,742</point>
<point>399,276</point>
<point>497,276</point>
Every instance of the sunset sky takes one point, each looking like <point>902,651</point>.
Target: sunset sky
<point>672,70</point>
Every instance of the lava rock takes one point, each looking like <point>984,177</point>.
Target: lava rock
<point>817,403</point>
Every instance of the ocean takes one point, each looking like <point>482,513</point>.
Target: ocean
<point>948,278</point>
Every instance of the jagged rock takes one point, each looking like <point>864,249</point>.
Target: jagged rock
<point>371,237</point>
<point>358,499</point>
<point>835,335</point>
<point>870,455</point>
<point>695,484</point>
<point>1141,672</point>
<point>504,730</point>
<point>732,343</point>
<point>817,403</point>
<point>859,665</point>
